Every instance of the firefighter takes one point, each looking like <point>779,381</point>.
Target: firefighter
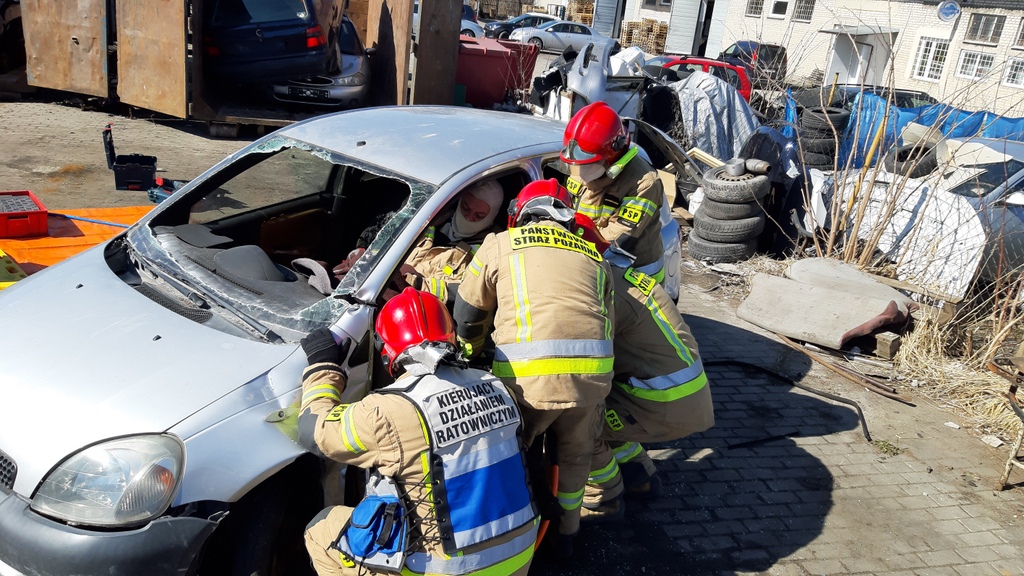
<point>447,489</point>
<point>616,188</point>
<point>660,391</point>
<point>440,257</point>
<point>548,296</point>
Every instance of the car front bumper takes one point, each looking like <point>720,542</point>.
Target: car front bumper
<point>33,544</point>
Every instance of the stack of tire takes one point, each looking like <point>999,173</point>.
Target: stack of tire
<point>913,160</point>
<point>731,217</point>
<point>819,128</point>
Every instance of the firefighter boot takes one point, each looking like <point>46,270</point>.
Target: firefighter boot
<point>639,483</point>
<point>613,510</point>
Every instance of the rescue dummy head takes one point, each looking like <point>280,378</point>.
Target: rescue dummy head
<point>478,207</point>
<point>594,140</point>
<point>542,200</point>
<point>414,329</point>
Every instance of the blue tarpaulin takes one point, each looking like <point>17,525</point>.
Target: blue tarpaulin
<point>869,111</point>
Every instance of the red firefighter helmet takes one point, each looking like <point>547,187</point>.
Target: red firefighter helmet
<point>593,134</point>
<point>542,198</point>
<point>410,319</point>
<point>586,229</point>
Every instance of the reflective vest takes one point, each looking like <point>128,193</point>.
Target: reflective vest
<point>474,468</point>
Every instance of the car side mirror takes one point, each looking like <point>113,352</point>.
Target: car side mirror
<point>371,50</point>
<point>1015,199</point>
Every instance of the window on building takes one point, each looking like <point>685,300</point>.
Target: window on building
<point>780,7</point>
<point>754,7</point>
<point>974,64</point>
<point>1014,73</point>
<point>803,11</point>
<point>1019,42</point>
<point>930,59</point>
<point>985,28</point>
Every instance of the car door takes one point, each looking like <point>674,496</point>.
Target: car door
<point>557,36</point>
<point>578,37</point>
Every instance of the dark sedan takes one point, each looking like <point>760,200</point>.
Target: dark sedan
<point>844,95</point>
<point>503,29</point>
<point>261,41</point>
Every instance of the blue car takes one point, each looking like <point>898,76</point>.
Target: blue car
<point>262,41</point>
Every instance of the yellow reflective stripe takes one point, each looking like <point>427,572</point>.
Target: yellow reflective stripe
<point>602,281</point>
<point>670,394</point>
<point>438,288</point>
<point>640,203</point>
<point>668,330</point>
<point>571,500</point>
<point>552,366</point>
<point>604,474</point>
<point>320,391</point>
<point>476,266</point>
<point>349,435</point>
<point>627,452</point>
<point>589,210</point>
<point>504,568</point>
<point>448,270</point>
<point>524,321</point>
<point>425,464</point>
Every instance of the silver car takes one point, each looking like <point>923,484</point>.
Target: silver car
<point>347,87</point>
<point>150,412</point>
<point>559,35</point>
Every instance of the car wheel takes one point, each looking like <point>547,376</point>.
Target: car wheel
<point>468,32</point>
<point>503,35</point>
<point>728,231</point>
<point>537,42</point>
<point>726,211</point>
<point>722,187</point>
<point>816,159</point>
<point>913,160</point>
<point>825,145</point>
<point>716,252</point>
<point>262,534</point>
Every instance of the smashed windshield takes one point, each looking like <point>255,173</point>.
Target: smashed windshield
<point>284,234</point>
<point>979,180</point>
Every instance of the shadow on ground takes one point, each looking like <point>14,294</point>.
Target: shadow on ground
<point>738,497</point>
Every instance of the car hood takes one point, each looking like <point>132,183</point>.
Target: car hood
<point>89,358</point>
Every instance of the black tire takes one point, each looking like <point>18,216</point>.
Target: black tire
<point>728,231</point>
<point>717,252</point>
<point>721,187</point>
<point>826,146</point>
<point>503,35</point>
<point>825,119</point>
<point>726,211</point>
<point>538,43</point>
<point>814,159</point>
<point>468,32</point>
<point>913,160</point>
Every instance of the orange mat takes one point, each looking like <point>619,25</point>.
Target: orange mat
<point>69,237</point>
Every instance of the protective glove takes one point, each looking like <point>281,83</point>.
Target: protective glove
<point>319,346</point>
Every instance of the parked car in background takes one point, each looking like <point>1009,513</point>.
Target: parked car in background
<point>767,63</point>
<point>347,87</point>
<point>185,371</point>
<point>736,76</point>
<point>844,95</point>
<point>468,13</point>
<point>260,41</point>
<point>502,30</point>
<point>467,27</point>
<point>559,35</point>
<point>471,28</point>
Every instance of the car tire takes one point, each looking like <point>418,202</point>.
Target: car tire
<point>913,160</point>
<point>503,35</point>
<point>826,146</point>
<point>728,231</point>
<point>727,211</point>
<point>468,32</point>
<point>816,159</point>
<point>721,187</point>
<point>718,252</point>
<point>825,119</point>
<point>537,42</point>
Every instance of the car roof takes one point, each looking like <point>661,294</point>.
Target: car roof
<point>428,143</point>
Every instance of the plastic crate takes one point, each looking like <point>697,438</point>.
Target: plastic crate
<point>10,272</point>
<point>134,172</point>
<point>21,214</point>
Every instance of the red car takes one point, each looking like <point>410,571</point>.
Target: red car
<point>734,75</point>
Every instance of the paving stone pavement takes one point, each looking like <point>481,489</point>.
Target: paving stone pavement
<point>785,484</point>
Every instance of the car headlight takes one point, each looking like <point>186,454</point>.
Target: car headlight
<point>356,79</point>
<point>117,483</point>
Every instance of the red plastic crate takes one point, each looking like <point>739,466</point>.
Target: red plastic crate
<point>21,214</point>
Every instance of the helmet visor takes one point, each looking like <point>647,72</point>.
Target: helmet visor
<point>572,153</point>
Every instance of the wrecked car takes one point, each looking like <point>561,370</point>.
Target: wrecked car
<point>348,87</point>
<point>183,379</point>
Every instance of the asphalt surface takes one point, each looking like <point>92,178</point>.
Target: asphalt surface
<point>785,483</point>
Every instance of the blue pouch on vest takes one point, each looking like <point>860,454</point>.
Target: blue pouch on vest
<point>377,527</point>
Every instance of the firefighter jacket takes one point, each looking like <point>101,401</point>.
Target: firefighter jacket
<point>627,210</point>
<point>441,262</point>
<point>449,442</point>
<point>658,372</point>
<point>548,295</point>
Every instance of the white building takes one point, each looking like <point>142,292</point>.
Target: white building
<point>974,60</point>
